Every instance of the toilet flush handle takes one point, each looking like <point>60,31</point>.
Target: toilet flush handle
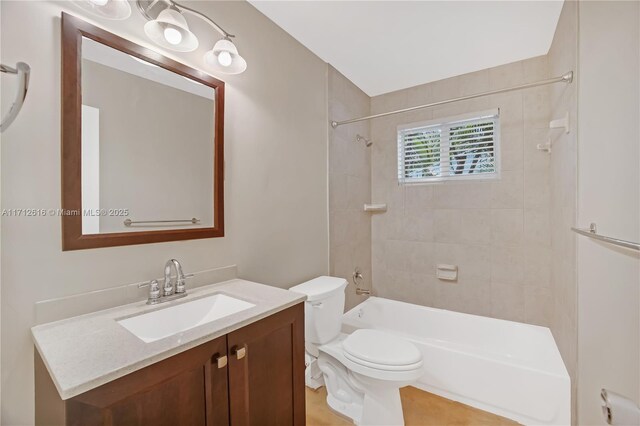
<point>317,305</point>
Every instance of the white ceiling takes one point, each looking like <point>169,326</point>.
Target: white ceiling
<point>383,46</point>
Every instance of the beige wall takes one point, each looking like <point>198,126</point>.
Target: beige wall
<point>562,58</point>
<point>497,232</point>
<point>608,194</point>
<point>349,185</point>
<point>276,177</point>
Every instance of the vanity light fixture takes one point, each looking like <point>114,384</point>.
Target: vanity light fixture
<point>110,9</point>
<point>168,28</point>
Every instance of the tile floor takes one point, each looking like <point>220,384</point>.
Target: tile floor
<point>420,409</point>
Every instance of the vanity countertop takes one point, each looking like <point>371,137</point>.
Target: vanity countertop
<point>87,351</point>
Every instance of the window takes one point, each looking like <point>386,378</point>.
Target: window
<point>465,147</point>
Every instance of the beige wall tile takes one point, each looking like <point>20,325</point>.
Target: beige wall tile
<point>512,150</point>
<point>508,75</point>
<point>508,191</point>
<point>537,265</point>
<point>562,174</point>
<point>511,110</point>
<point>537,226</point>
<point>338,191</point>
<point>471,226</point>
<point>507,301</point>
<point>418,226</point>
<point>537,189</point>
<point>536,107</point>
<point>536,69</point>
<point>350,180</point>
<point>474,195</point>
<point>496,231</point>
<point>534,159</point>
<point>538,305</point>
<point>507,264</point>
<point>472,297</point>
<point>507,227</point>
<point>473,261</point>
<point>475,82</point>
<point>418,198</point>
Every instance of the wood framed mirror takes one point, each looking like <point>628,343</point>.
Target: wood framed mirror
<point>142,144</point>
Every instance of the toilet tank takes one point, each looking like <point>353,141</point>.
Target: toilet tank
<point>323,309</point>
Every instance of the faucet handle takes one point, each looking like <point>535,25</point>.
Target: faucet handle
<point>154,292</point>
<point>180,282</point>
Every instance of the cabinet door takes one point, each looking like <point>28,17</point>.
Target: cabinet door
<point>266,371</point>
<point>187,389</point>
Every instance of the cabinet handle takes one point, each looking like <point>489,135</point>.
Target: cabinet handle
<point>239,352</point>
<point>221,361</point>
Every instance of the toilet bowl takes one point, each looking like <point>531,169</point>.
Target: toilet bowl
<point>363,371</point>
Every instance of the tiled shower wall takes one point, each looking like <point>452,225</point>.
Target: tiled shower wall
<point>564,158</point>
<point>349,185</point>
<point>496,231</point>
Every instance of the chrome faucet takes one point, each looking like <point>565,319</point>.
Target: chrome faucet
<point>170,290</point>
<point>357,278</point>
<point>169,287</point>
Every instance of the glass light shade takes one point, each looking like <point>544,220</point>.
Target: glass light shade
<point>109,9</point>
<point>171,31</point>
<point>230,62</point>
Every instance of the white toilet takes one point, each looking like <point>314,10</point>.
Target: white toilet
<point>363,371</point>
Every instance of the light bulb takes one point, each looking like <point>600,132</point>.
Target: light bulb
<point>224,58</point>
<point>172,35</point>
<point>99,2</point>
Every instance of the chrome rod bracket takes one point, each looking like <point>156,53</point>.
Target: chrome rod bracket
<point>568,77</point>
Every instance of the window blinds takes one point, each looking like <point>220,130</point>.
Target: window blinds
<point>454,149</point>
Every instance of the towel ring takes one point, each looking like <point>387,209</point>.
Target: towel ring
<point>22,70</point>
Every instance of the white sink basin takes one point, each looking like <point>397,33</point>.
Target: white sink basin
<point>166,322</point>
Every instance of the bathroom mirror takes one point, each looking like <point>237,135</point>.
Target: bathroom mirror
<point>142,144</point>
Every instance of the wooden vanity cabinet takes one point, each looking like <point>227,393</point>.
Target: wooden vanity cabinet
<point>261,383</point>
<point>266,381</point>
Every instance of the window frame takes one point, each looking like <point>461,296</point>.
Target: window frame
<point>443,124</point>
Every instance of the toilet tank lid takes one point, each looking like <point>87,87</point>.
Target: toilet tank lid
<point>320,288</point>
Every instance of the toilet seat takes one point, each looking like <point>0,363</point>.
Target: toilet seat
<point>383,367</point>
<point>381,351</point>
<point>383,372</point>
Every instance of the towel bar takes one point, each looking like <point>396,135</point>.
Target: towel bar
<point>194,221</point>
<point>593,233</point>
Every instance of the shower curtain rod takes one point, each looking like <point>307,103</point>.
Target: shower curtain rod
<point>565,78</point>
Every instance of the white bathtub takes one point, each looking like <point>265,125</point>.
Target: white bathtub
<point>507,368</point>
